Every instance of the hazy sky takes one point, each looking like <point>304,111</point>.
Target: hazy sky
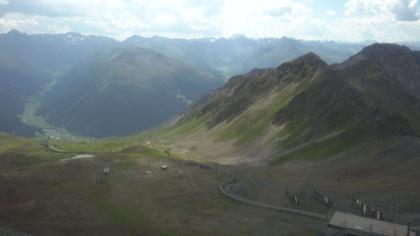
<point>351,20</point>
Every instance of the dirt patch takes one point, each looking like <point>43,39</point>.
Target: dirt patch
<point>80,156</point>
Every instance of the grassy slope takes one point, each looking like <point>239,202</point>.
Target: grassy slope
<point>248,127</point>
<point>317,150</point>
<point>367,105</point>
<point>20,153</point>
<point>62,198</point>
<point>252,125</point>
<point>255,122</point>
<point>245,128</point>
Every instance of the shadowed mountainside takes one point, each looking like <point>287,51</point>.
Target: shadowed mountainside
<point>123,91</point>
<point>28,62</point>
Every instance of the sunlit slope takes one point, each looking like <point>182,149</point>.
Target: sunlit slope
<point>303,106</point>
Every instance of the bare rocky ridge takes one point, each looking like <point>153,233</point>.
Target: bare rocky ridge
<point>398,61</point>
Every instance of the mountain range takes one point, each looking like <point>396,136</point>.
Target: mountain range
<point>307,109</point>
<point>96,86</point>
<point>239,54</point>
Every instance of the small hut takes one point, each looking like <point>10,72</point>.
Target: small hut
<point>107,170</point>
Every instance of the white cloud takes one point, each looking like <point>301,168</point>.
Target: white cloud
<point>330,13</point>
<point>18,20</point>
<point>402,10</point>
<point>384,20</point>
<point>380,20</point>
<point>3,2</point>
<point>266,18</point>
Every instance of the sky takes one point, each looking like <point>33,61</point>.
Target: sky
<point>339,20</point>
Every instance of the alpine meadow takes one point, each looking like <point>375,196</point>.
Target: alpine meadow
<point>221,118</point>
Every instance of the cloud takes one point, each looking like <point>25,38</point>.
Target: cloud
<point>384,20</point>
<point>182,18</point>
<point>265,18</point>
<point>37,7</point>
<point>330,13</point>
<point>281,11</point>
<point>18,20</point>
<point>380,20</point>
<point>406,10</point>
<point>401,10</point>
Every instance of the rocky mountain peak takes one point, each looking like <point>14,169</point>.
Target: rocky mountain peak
<point>397,61</point>
<point>307,60</point>
<point>384,50</point>
<point>302,67</point>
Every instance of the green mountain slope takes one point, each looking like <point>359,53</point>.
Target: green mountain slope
<point>123,91</point>
<point>304,109</point>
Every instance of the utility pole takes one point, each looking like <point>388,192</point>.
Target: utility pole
<point>395,212</point>
<point>269,170</point>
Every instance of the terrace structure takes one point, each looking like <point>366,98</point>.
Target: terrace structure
<point>345,224</point>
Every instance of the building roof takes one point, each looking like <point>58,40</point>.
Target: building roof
<point>367,225</point>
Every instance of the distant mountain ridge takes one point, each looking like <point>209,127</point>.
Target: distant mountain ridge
<point>49,53</point>
<point>237,55</point>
